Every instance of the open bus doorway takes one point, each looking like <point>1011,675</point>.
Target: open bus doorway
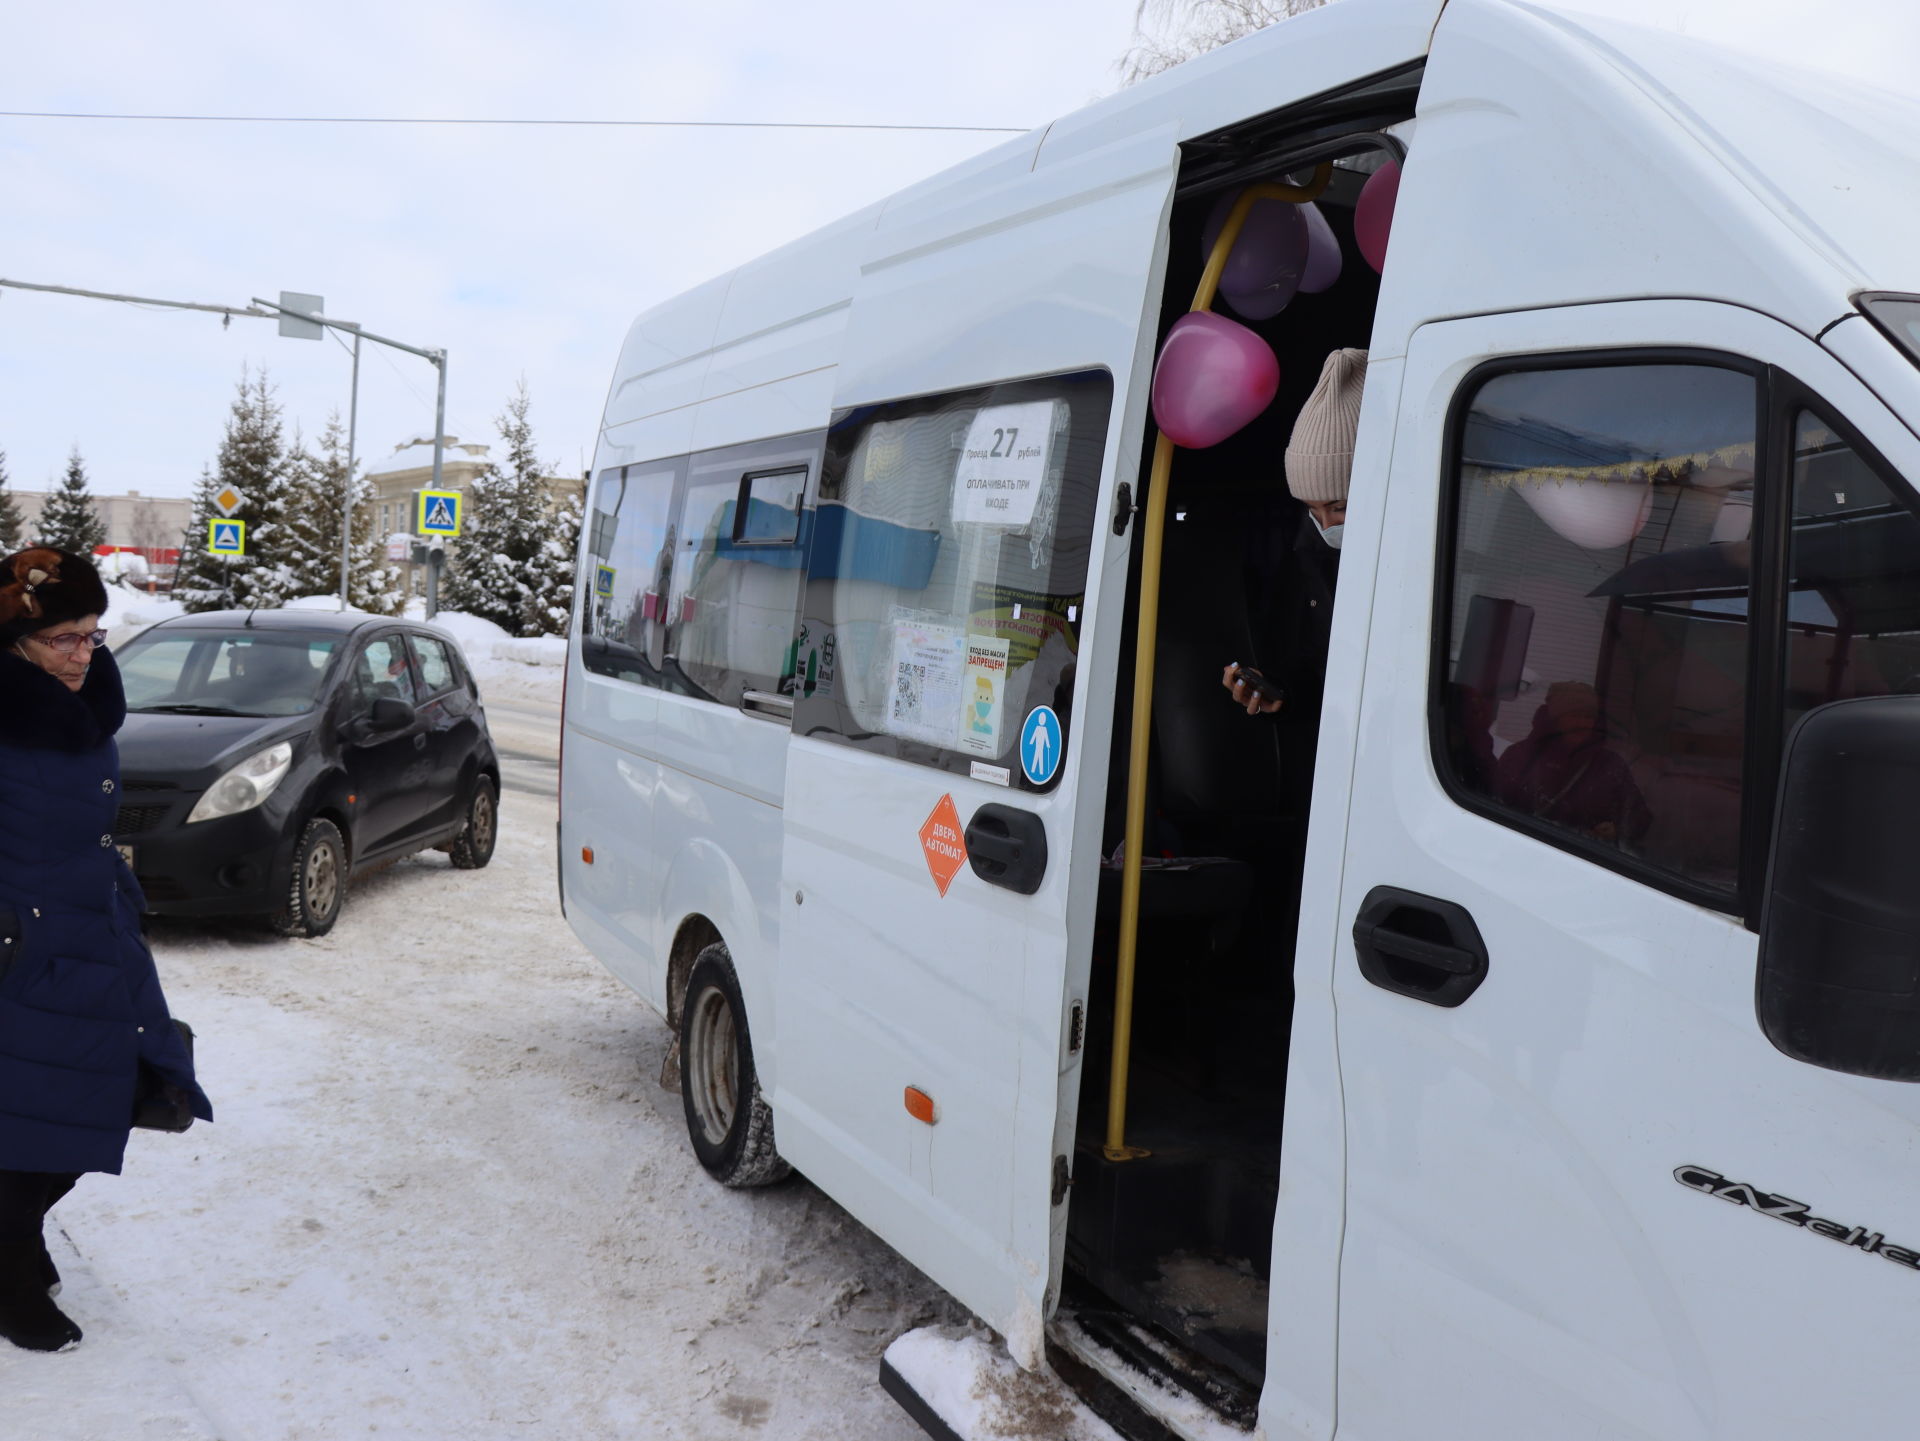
<point>1169,1253</point>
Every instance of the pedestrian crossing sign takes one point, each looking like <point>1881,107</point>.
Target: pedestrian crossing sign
<point>440,512</point>
<point>226,537</point>
<point>603,581</point>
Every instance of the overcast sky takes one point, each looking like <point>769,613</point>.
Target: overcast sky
<point>523,252</point>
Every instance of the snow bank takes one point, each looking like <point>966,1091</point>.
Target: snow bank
<point>503,664</point>
<point>130,611</point>
<point>974,1386</point>
<point>539,650</point>
<point>319,602</point>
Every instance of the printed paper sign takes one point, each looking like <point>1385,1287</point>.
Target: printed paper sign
<point>1002,464</point>
<point>982,692</point>
<point>929,660</point>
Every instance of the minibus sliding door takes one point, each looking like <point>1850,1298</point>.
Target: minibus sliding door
<point>944,791</point>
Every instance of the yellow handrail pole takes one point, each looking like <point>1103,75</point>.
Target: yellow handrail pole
<point>1154,523</point>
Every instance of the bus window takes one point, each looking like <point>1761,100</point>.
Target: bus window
<point>629,553</point>
<point>947,568</point>
<point>736,576</point>
<point>1596,686</point>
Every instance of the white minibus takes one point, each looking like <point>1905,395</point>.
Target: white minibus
<point>1516,1034</point>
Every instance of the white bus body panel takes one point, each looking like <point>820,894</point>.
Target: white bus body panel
<point>1519,1259</point>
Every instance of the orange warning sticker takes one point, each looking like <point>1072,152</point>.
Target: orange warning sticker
<point>946,846</point>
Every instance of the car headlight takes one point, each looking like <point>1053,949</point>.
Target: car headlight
<point>246,785</point>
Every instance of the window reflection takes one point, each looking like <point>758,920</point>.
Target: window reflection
<point>1597,664</point>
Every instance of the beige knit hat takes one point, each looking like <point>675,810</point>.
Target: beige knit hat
<point>1320,454</point>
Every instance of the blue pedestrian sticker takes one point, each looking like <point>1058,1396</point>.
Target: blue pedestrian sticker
<point>1040,745</point>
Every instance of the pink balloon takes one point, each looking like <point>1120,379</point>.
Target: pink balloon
<point>1214,376</point>
<point>1270,253</point>
<point>1373,216</point>
<point>1323,253</point>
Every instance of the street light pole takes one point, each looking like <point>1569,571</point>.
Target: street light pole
<point>434,552</point>
<point>346,509</point>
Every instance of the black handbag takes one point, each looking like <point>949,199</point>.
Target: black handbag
<point>153,1108</point>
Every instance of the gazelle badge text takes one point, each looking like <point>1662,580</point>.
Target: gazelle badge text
<point>1794,1213</point>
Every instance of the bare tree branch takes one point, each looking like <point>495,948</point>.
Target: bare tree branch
<point>1169,32</point>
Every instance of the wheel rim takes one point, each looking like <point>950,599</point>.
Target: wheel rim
<point>321,882</point>
<point>481,822</point>
<point>712,1062</point>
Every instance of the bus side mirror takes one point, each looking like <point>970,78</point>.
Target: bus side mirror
<point>1839,978</point>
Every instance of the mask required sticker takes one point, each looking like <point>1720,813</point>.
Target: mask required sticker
<point>1794,1213</point>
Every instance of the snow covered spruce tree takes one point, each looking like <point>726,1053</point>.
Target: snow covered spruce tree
<point>12,523</point>
<point>373,583</point>
<point>253,460</point>
<point>509,518</point>
<point>69,520</point>
<point>307,557</point>
<point>199,580</point>
<point>550,579</point>
<point>310,542</point>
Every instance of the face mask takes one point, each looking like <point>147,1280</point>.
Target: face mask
<point>1329,533</point>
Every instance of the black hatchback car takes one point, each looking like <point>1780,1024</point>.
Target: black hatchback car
<point>269,756</point>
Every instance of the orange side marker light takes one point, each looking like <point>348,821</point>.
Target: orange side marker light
<point>920,1105</point>
<point>586,854</point>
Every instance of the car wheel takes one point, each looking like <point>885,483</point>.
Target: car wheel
<point>473,847</point>
<point>317,886</point>
<point>729,1121</point>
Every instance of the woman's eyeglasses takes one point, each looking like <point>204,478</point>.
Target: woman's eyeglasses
<point>68,644</point>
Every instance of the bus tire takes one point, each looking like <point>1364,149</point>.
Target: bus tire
<point>728,1120</point>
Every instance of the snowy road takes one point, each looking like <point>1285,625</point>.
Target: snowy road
<point>526,733</point>
<point>446,1198</point>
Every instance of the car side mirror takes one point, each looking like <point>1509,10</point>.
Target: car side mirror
<point>1839,978</point>
<point>390,714</point>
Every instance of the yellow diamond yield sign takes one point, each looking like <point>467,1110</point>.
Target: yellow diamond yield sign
<point>229,500</point>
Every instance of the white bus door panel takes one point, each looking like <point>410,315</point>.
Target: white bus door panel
<point>884,982</point>
<point>1534,1244</point>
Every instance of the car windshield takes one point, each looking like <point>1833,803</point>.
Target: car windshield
<point>236,672</point>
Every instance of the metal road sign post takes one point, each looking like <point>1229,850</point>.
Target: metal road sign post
<point>438,358</point>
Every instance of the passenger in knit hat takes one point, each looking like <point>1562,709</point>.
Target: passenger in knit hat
<point>1294,602</point>
<point>1320,454</point>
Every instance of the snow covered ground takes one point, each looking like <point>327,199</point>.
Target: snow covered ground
<point>446,1197</point>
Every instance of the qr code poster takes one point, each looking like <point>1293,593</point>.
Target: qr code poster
<point>929,662</point>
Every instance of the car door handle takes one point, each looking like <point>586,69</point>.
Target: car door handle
<point>1007,846</point>
<point>420,741</point>
<point>1419,946</point>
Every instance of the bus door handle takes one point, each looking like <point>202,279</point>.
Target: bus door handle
<point>1419,946</point>
<point>767,705</point>
<point>1007,846</point>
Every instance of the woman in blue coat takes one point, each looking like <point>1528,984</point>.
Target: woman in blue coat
<point>80,1004</point>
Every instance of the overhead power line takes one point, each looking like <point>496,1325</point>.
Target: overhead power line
<point>485,120</point>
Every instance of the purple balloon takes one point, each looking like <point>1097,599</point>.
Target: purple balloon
<point>1261,305</point>
<point>1269,255</point>
<point>1214,375</point>
<point>1323,253</point>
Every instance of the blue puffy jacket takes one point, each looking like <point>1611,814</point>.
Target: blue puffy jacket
<point>80,1003</point>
